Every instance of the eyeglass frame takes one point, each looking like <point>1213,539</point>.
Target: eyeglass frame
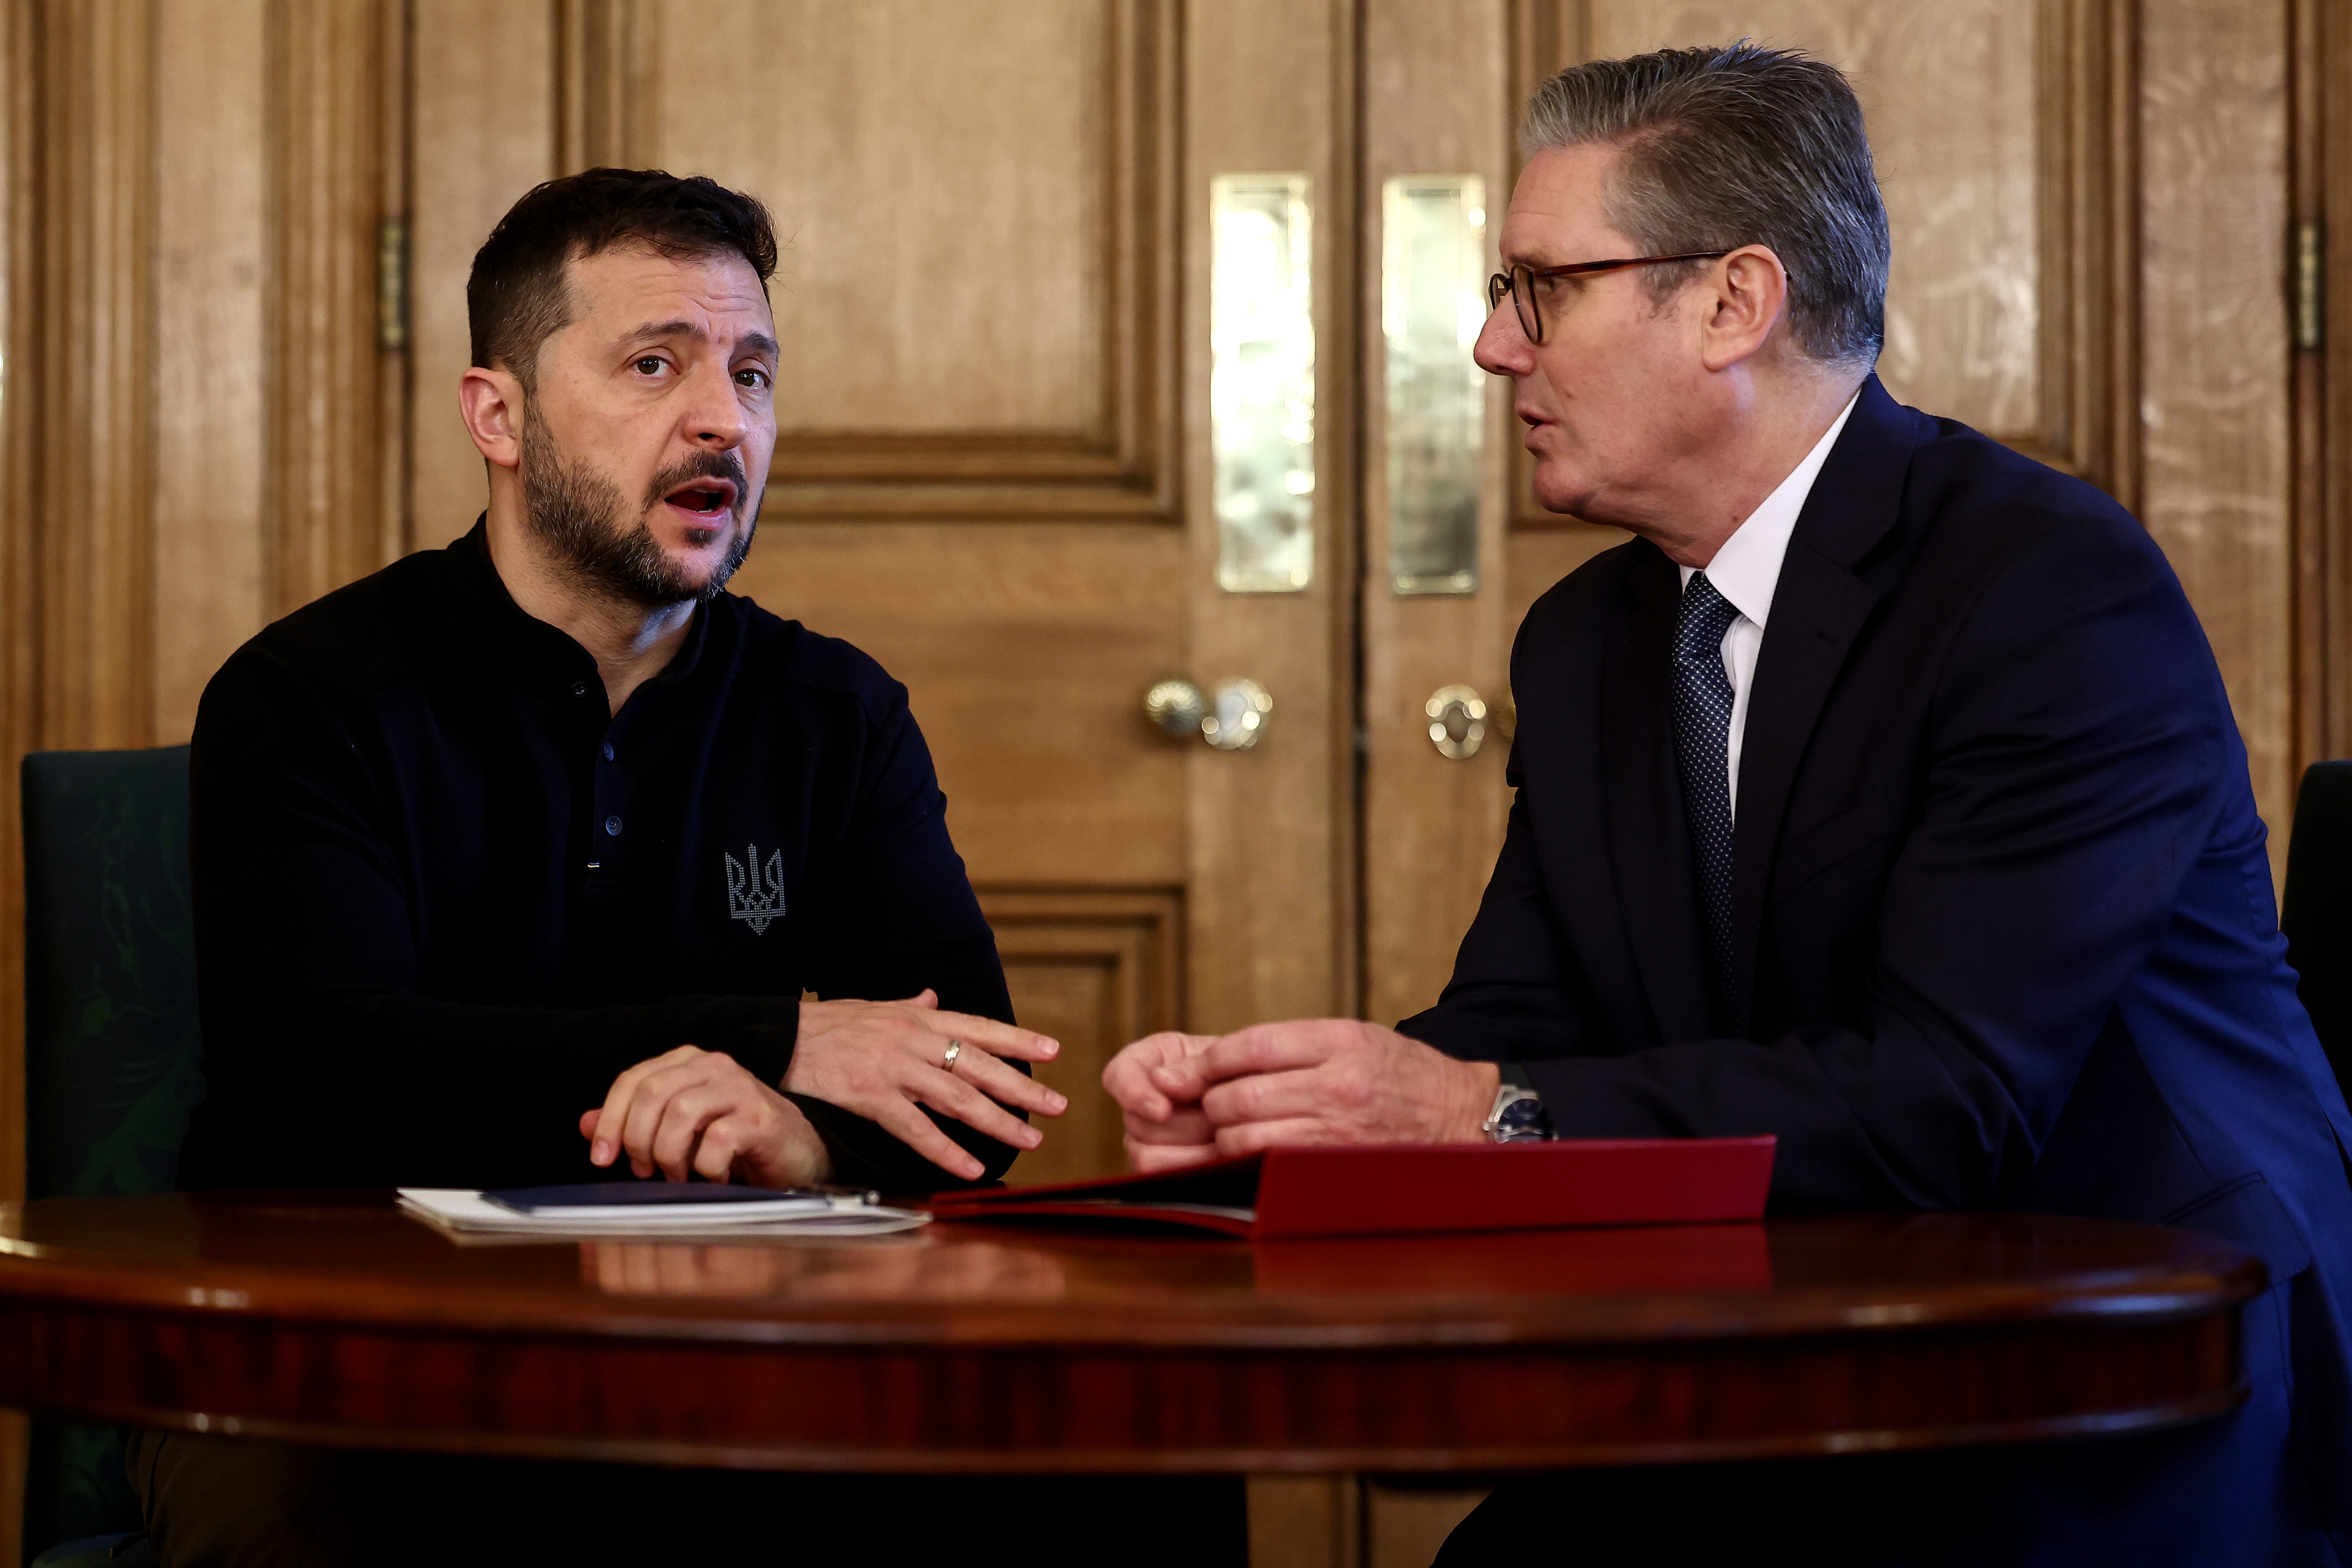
<point>1502,283</point>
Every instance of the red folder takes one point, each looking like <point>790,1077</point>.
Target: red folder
<point>1402,1189</point>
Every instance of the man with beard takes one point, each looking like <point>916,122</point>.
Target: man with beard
<point>514,860</point>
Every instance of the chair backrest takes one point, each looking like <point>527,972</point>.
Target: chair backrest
<point>112,1063</point>
<point>113,1066</point>
<point>2317,911</point>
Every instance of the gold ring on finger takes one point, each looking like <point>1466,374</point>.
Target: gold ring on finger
<point>948,1062</point>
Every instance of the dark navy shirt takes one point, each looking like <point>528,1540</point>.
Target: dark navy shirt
<point>444,895</point>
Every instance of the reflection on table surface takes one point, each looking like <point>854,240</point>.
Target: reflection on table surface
<point>897,1267</point>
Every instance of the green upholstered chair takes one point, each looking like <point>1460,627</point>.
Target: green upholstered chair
<point>112,1065</point>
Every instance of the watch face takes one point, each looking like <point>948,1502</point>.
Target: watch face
<point>1523,1121</point>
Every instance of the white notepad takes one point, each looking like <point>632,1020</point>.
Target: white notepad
<point>465,1211</point>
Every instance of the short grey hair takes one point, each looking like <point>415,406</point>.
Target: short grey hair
<point>1732,146</point>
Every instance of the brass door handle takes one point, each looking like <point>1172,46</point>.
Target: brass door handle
<point>1457,721</point>
<point>1230,716</point>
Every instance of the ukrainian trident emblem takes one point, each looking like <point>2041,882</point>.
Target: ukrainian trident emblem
<point>747,901</point>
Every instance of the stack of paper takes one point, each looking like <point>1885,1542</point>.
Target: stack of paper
<point>653,1211</point>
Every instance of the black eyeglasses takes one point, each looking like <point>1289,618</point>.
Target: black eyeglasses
<point>1519,283</point>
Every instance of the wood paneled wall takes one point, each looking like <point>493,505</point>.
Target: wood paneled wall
<point>332,510</point>
<point>216,403</point>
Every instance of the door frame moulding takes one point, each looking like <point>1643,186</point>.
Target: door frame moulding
<point>337,386</point>
<point>2088,82</point>
<point>603,84</point>
<point>2087,90</point>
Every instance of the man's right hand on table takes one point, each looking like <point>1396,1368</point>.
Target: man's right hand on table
<point>1187,1099</point>
<point>690,1111</point>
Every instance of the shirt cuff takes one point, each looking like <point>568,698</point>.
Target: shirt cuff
<point>868,1155</point>
<point>758,1032</point>
<point>765,1048</point>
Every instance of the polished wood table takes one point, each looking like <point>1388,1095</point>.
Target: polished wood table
<point>988,1348</point>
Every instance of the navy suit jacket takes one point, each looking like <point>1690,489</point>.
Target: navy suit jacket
<point>2004,929</point>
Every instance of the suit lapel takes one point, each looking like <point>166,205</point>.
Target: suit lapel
<point>1819,609</point>
<point>1649,842</point>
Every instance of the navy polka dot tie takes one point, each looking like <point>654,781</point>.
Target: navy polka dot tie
<point>1702,747</point>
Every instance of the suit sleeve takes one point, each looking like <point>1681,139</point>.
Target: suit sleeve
<point>2079,756</point>
<point>1515,995</point>
<point>898,916</point>
<point>346,1073</point>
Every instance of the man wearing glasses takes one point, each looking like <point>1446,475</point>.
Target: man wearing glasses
<point>1882,794</point>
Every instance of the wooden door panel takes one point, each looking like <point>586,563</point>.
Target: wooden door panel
<point>977,287</point>
<point>940,172</point>
<point>1094,970</point>
<point>1024,648</point>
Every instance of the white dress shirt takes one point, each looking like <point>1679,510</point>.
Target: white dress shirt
<point>1747,569</point>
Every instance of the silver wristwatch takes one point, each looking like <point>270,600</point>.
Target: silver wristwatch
<point>1518,1116</point>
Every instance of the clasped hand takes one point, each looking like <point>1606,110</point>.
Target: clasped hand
<point>692,1111</point>
<point>1192,1098</point>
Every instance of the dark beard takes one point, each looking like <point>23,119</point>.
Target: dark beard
<point>581,519</point>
